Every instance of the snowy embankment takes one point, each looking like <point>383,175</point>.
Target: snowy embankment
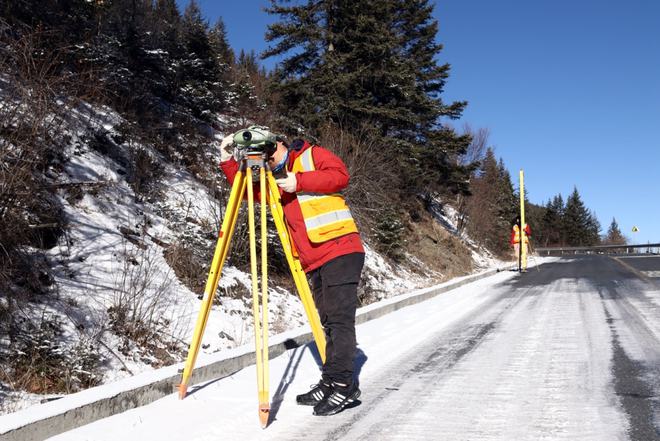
<point>112,257</point>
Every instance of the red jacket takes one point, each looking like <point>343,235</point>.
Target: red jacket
<point>330,176</point>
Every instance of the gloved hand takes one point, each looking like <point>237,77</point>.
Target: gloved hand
<point>289,183</point>
<point>227,148</point>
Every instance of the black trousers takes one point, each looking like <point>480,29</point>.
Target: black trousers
<point>334,288</point>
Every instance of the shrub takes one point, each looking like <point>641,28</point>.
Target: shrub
<point>39,361</point>
<point>389,235</point>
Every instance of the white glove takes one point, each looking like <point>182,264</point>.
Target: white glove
<point>289,183</point>
<point>227,148</point>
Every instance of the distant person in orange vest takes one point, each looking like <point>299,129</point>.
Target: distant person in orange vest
<point>515,241</point>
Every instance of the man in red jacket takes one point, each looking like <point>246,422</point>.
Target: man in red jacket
<point>328,244</point>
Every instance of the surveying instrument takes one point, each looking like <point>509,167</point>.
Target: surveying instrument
<point>254,146</point>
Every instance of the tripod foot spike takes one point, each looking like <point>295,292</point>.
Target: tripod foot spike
<point>183,390</point>
<point>264,414</point>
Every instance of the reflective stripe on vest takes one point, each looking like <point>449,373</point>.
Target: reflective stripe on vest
<point>326,215</point>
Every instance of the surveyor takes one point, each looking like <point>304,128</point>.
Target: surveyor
<point>515,240</point>
<point>327,242</point>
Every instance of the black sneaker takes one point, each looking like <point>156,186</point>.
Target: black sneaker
<point>313,397</point>
<point>337,400</point>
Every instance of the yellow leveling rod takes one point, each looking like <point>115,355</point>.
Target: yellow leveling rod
<point>522,263</point>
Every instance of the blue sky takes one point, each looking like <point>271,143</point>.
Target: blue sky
<point>570,91</point>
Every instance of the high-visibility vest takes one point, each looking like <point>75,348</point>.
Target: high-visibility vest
<point>516,234</point>
<point>326,215</point>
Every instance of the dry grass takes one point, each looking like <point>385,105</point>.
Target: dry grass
<point>438,249</point>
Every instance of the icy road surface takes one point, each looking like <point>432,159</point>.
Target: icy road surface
<point>567,352</point>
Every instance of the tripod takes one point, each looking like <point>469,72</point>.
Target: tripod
<point>254,163</point>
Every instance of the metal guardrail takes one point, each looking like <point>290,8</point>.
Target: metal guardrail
<point>596,248</point>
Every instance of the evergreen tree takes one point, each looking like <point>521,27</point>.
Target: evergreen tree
<point>492,205</point>
<point>614,235</point>
<point>534,215</point>
<point>200,72</point>
<point>482,205</point>
<point>593,229</point>
<point>508,200</point>
<point>249,84</point>
<point>552,223</point>
<point>220,46</point>
<point>508,207</point>
<point>581,226</point>
<point>224,60</point>
<point>167,23</point>
<point>373,63</point>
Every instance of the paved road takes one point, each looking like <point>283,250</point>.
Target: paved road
<point>646,265</point>
<point>570,351</point>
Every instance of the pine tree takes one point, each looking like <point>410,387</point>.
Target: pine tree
<point>166,29</point>
<point>508,207</point>
<point>373,63</point>
<point>614,235</point>
<point>581,226</point>
<point>492,205</point>
<point>534,215</point>
<point>224,60</point>
<point>508,200</point>
<point>552,222</point>
<point>200,72</point>
<point>248,87</point>
<point>220,46</point>
<point>592,229</point>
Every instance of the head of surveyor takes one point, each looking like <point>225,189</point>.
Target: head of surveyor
<point>278,158</point>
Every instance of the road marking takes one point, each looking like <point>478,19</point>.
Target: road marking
<point>631,269</point>
<point>651,273</point>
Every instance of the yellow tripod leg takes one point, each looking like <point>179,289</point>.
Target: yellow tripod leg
<point>258,343</point>
<point>264,399</point>
<point>219,256</point>
<point>299,277</point>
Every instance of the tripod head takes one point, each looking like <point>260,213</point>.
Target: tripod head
<point>256,145</point>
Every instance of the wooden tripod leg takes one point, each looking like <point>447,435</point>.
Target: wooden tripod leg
<point>219,256</point>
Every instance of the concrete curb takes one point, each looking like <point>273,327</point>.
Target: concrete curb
<point>49,419</point>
